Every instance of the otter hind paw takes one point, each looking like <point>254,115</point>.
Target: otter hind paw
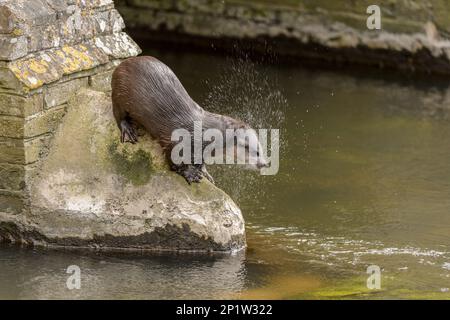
<point>128,134</point>
<point>192,174</point>
<point>189,172</point>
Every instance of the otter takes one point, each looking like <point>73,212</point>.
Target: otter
<point>147,92</point>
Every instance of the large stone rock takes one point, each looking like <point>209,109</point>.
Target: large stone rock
<point>91,190</point>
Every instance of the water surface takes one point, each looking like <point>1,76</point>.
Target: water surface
<point>364,179</point>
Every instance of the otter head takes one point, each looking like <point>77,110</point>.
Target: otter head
<point>245,145</point>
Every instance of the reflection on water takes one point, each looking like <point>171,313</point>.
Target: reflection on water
<point>364,179</point>
<point>31,274</point>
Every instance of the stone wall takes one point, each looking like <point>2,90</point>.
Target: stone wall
<point>65,178</point>
<point>49,49</point>
<point>414,33</point>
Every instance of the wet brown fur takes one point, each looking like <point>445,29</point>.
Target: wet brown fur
<point>146,91</point>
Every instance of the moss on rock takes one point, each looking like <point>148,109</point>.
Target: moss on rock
<point>135,166</point>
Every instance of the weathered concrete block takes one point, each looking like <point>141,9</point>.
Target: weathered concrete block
<point>12,47</point>
<point>8,80</point>
<point>33,13</point>
<point>36,148</point>
<point>100,193</point>
<point>6,19</point>
<point>17,127</point>
<point>11,203</point>
<point>21,106</point>
<point>45,122</point>
<point>12,176</point>
<point>12,151</point>
<point>117,46</point>
<point>78,26</point>
<point>101,22</point>
<point>99,3</point>
<point>116,21</point>
<point>60,5</point>
<point>60,93</point>
<point>11,126</point>
<point>101,81</point>
<point>37,42</point>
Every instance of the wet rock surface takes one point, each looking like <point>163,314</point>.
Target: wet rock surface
<point>93,191</point>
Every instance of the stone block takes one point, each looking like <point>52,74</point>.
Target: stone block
<point>6,19</point>
<point>10,202</point>
<point>60,93</point>
<point>8,80</point>
<point>117,46</point>
<point>116,21</point>
<point>101,22</point>
<point>78,26</point>
<point>21,106</point>
<point>36,148</point>
<point>12,47</point>
<point>52,38</point>
<point>45,122</point>
<point>12,151</point>
<point>11,126</point>
<point>12,176</point>
<point>101,81</point>
<point>32,13</point>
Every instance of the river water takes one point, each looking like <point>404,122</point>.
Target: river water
<point>364,180</point>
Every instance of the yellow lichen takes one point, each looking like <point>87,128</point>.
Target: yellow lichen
<point>37,70</point>
<point>21,70</point>
<point>38,66</point>
<point>60,54</point>
<point>76,60</point>
<point>17,32</point>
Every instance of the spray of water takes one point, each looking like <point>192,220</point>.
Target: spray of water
<point>245,91</point>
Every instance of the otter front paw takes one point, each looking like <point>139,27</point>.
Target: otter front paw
<point>127,132</point>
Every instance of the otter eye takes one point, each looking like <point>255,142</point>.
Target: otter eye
<point>257,153</point>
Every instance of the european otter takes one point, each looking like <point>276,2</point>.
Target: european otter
<point>146,91</point>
